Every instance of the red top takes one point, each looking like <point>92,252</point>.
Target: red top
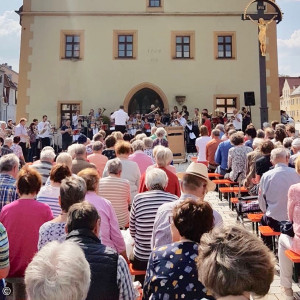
<point>22,220</point>
<point>173,186</point>
<point>207,123</point>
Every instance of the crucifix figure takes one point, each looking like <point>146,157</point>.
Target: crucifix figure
<point>262,19</point>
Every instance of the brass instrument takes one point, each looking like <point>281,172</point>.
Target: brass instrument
<point>153,112</point>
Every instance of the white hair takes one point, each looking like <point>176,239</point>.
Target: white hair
<point>58,271</point>
<point>169,154</point>
<point>153,130</point>
<point>8,141</point>
<point>71,150</point>
<point>266,125</point>
<point>47,155</point>
<point>8,162</point>
<point>156,177</point>
<point>138,145</point>
<point>160,132</point>
<point>64,158</point>
<point>114,166</point>
<point>257,142</point>
<point>148,142</point>
<point>161,156</point>
<point>278,154</point>
<point>141,136</point>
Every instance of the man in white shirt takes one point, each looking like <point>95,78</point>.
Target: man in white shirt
<point>237,120</point>
<point>21,131</point>
<point>75,119</point>
<point>181,119</point>
<point>120,117</point>
<point>44,132</point>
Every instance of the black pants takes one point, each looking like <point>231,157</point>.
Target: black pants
<point>45,142</point>
<point>274,224</point>
<point>121,128</point>
<point>25,151</point>
<point>140,265</point>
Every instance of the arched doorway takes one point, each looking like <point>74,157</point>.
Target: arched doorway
<point>142,100</point>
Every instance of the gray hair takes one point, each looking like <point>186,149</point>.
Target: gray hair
<point>215,132</point>
<point>169,154</point>
<point>153,129</point>
<point>58,271</point>
<point>8,162</point>
<point>140,136</point>
<point>114,166</point>
<point>160,155</point>
<point>266,125</point>
<point>47,155</point>
<point>97,146</point>
<point>80,150</point>
<point>8,140</point>
<point>278,154</point>
<point>160,132</point>
<point>48,148</point>
<point>220,127</point>
<point>148,142</point>
<point>257,142</point>
<point>137,145</point>
<point>260,133</point>
<point>156,177</point>
<point>64,158</point>
<point>287,142</point>
<point>71,150</point>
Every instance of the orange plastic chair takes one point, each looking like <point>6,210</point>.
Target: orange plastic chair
<point>216,175</point>
<point>295,258</point>
<point>136,272</point>
<point>255,219</point>
<point>268,231</point>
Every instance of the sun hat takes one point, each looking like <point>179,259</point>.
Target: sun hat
<point>199,170</point>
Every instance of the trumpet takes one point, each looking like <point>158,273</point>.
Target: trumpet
<point>153,111</point>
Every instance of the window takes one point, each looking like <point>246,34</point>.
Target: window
<point>68,110</point>
<point>125,44</point>
<point>226,105</point>
<point>154,3</point>
<point>225,45</point>
<point>72,44</point>
<point>183,45</point>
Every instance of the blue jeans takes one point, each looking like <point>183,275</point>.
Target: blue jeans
<point>221,171</point>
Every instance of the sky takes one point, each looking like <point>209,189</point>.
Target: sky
<point>288,34</point>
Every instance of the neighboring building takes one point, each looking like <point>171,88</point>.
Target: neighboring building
<point>89,54</point>
<point>289,99</point>
<point>9,90</point>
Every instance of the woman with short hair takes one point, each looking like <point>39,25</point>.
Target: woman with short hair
<point>110,230</point>
<point>22,219</point>
<point>172,269</point>
<point>160,137</point>
<point>237,158</point>
<point>234,264</point>
<point>201,143</point>
<point>130,169</point>
<point>110,143</point>
<point>143,212</point>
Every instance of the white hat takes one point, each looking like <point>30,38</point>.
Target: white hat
<point>199,170</point>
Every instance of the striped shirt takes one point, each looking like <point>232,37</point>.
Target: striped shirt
<point>8,189</point>
<point>142,216</point>
<point>48,194</point>
<point>44,168</point>
<point>4,248</point>
<point>117,191</point>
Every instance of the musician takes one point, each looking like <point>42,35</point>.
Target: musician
<point>185,113</point>
<point>120,117</point>
<point>147,126</point>
<point>3,133</point>
<point>197,117</point>
<point>150,115</point>
<point>181,121</point>
<point>175,110</point>
<point>10,127</point>
<point>237,120</point>
<point>166,117</point>
<point>246,118</point>
<point>75,118</point>
<point>32,133</point>
<point>20,130</point>
<point>44,131</point>
<point>66,134</point>
<point>79,129</point>
<point>99,113</point>
<point>131,125</point>
<point>139,122</point>
<point>206,121</point>
<point>157,120</point>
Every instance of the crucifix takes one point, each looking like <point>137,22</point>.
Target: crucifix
<point>262,20</point>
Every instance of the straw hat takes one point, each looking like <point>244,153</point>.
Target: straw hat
<point>199,170</point>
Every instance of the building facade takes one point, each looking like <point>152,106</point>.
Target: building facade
<point>89,54</point>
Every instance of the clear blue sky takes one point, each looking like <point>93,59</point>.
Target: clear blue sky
<point>288,35</point>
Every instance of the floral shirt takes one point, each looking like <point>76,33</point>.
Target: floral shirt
<point>172,273</point>
<point>110,154</point>
<point>49,232</point>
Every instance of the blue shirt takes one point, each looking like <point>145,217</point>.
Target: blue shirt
<point>273,191</point>
<point>8,190</point>
<point>221,155</point>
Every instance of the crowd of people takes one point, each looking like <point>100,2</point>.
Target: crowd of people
<point>74,223</point>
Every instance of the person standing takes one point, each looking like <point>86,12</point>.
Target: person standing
<point>20,130</point>
<point>44,132</point>
<point>66,134</point>
<point>237,120</point>
<point>211,148</point>
<point>120,117</point>
<point>206,121</point>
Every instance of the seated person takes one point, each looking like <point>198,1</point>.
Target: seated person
<point>239,264</point>
<point>172,269</point>
<point>110,277</point>
<point>58,271</point>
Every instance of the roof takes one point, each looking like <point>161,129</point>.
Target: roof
<point>296,92</point>
<point>292,81</point>
<point>9,83</point>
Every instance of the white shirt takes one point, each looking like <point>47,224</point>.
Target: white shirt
<point>238,124</point>
<point>75,120</point>
<point>182,121</point>
<point>201,147</point>
<point>19,129</point>
<point>44,125</point>
<point>120,116</point>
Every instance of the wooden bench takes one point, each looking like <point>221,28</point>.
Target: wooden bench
<point>255,219</point>
<point>268,231</point>
<point>295,258</point>
<point>134,272</point>
<point>232,190</point>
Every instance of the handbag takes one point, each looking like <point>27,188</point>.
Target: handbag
<point>286,227</point>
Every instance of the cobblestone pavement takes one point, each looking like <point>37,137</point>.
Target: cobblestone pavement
<point>229,217</point>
